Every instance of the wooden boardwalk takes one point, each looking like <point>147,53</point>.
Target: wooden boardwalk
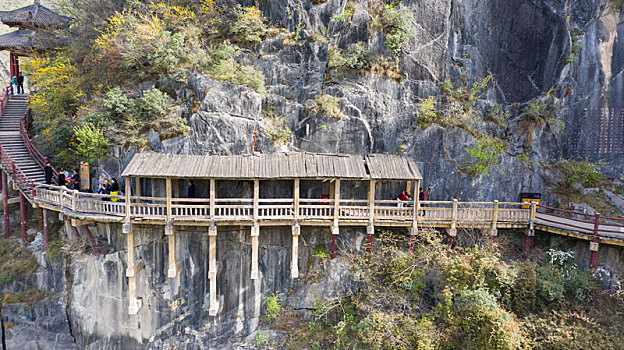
<point>23,165</point>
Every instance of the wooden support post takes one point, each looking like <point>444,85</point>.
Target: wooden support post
<point>87,232</point>
<point>5,203</point>
<point>134,303</point>
<point>294,260</point>
<point>416,207</point>
<point>172,266</point>
<point>128,198</point>
<point>370,230</point>
<point>212,270</point>
<point>296,231</point>
<point>255,230</point>
<point>130,248</point>
<point>23,209</point>
<point>530,232</point>
<point>213,196</point>
<point>416,198</point>
<point>453,231</point>
<point>493,229</point>
<point>593,246</point>
<point>296,195</point>
<point>335,227</point>
<point>46,232</point>
<point>170,231</point>
<point>168,195</point>
<point>74,199</point>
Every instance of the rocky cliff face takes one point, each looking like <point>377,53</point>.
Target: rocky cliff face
<point>88,303</point>
<point>566,53</point>
<point>560,53</point>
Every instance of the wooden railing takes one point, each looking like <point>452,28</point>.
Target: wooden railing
<point>32,150</point>
<point>241,209</point>
<point>6,92</point>
<point>570,220</point>
<point>26,185</point>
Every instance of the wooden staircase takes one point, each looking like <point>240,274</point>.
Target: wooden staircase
<point>12,140</point>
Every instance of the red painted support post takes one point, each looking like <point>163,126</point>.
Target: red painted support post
<point>5,203</point>
<point>332,248</point>
<point>41,220</point>
<point>46,233</point>
<point>450,241</point>
<point>594,246</point>
<point>23,218</point>
<point>87,232</point>
<point>412,243</point>
<point>527,246</point>
<point>75,232</point>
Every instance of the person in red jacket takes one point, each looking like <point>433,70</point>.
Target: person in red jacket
<point>403,197</point>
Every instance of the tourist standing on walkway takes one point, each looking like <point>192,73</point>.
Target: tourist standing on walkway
<point>191,189</point>
<point>114,189</point>
<point>47,169</point>
<point>14,84</point>
<point>422,196</point>
<point>76,179</point>
<point>20,84</point>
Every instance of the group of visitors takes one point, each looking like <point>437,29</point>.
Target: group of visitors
<point>110,187</point>
<point>68,179</point>
<point>65,178</point>
<point>17,82</point>
<point>405,198</point>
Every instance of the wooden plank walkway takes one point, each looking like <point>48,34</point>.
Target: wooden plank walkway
<point>22,163</point>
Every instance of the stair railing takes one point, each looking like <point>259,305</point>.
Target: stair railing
<point>32,150</point>
<point>26,185</point>
<point>5,98</point>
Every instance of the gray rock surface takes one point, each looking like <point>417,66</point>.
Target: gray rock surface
<point>565,53</point>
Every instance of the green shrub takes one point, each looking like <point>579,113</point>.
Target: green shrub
<point>261,340</point>
<point>273,306</point>
<point>15,261</point>
<point>357,57</point>
<point>275,126</point>
<point>427,111</point>
<point>29,297</point>
<point>482,155</point>
<point>319,252</point>
<point>327,105</point>
<point>347,14</point>
<point>395,21</point>
<point>225,68</point>
<point>88,143</point>
<point>478,268</point>
<point>460,100</point>
<point>249,26</point>
<point>538,113</point>
<point>478,322</point>
<point>581,173</point>
<point>404,274</point>
<point>550,284</point>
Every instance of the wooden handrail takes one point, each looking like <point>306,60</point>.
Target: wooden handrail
<point>32,150</point>
<point>5,98</point>
<point>26,185</point>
